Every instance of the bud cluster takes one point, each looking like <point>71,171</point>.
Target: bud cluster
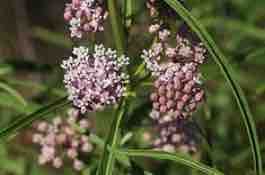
<point>177,135</point>
<point>177,87</point>
<point>177,92</point>
<point>85,16</point>
<point>63,138</point>
<point>95,80</point>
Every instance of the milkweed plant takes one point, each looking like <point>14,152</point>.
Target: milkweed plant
<point>98,76</point>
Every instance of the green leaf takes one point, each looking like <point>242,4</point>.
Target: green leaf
<point>5,69</point>
<point>227,71</point>
<point>13,93</point>
<point>10,102</point>
<point>176,157</point>
<point>97,140</point>
<point>24,121</point>
<point>128,136</point>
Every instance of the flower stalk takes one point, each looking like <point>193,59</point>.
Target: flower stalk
<point>117,26</point>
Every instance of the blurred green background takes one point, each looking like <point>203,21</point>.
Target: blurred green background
<point>34,39</point>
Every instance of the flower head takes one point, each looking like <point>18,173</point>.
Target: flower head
<point>63,137</point>
<point>95,80</point>
<point>177,90</point>
<point>85,16</point>
<point>177,135</point>
<point>163,52</point>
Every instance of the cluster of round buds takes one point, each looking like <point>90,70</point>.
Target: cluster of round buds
<point>177,135</point>
<point>63,138</point>
<point>85,16</point>
<point>95,80</point>
<point>177,91</point>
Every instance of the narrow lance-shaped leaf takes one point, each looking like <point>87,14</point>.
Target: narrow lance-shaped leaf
<point>176,157</point>
<point>14,93</point>
<point>24,121</point>
<point>5,69</point>
<point>227,71</point>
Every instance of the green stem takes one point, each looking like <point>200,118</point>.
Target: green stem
<point>114,142</point>
<point>129,12</point>
<point>106,165</point>
<point>108,160</point>
<point>117,26</point>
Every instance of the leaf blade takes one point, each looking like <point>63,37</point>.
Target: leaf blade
<point>24,121</point>
<point>177,157</point>
<point>13,93</point>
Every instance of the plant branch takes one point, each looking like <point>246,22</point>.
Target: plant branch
<point>117,26</point>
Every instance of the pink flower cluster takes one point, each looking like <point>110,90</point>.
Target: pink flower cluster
<point>177,92</point>
<point>63,138</point>
<point>177,87</point>
<point>182,52</point>
<point>178,135</point>
<point>94,80</point>
<point>85,16</point>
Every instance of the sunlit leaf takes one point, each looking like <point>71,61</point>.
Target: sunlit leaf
<point>176,157</point>
<point>14,93</point>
